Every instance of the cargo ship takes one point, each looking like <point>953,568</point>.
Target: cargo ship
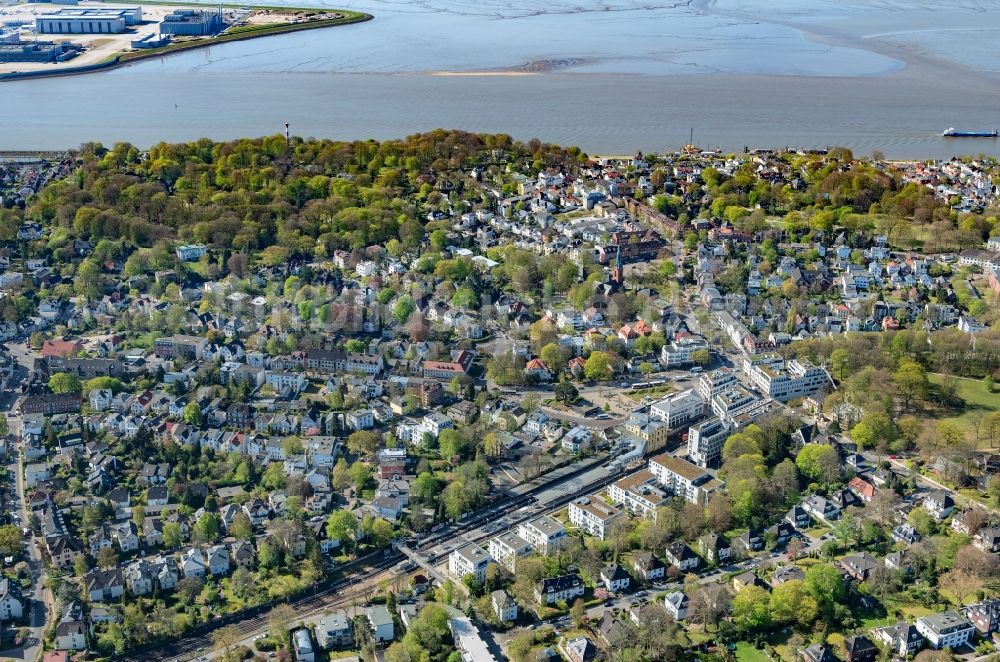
<point>952,133</point>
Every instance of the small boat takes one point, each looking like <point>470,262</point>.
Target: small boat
<point>952,133</point>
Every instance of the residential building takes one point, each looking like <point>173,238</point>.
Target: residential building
<point>503,606</point>
<point>676,604</point>
<point>681,556</point>
<point>382,625</point>
<point>705,441</point>
<point>821,508</point>
<point>770,375</point>
<point>189,252</point>
<point>940,504</point>
<point>559,589</point>
<point>615,578</point>
<point>948,629</point>
<point>817,653</point>
<point>592,515</point>
<point>678,353</point>
<point>858,566</point>
<point>714,382</point>
<point>469,559</point>
<point>11,602</point>
<point>985,616</point>
<point>678,409</point>
<point>303,645</point>
<point>648,567</point>
<point>683,479</point>
<point>334,631</point>
<point>71,635</point>
<point>902,639</point>
<point>639,494</point>
<point>507,548</point>
<point>578,649</point>
<point>714,548</point>
<point>544,534</point>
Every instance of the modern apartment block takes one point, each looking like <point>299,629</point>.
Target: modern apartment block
<point>544,534</point>
<point>714,382</point>
<point>782,381</point>
<point>705,441</point>
<point>678,409</point>
<point>469,559</point>
<point>507,548</point>
<point>683,479</point>
<point>639,494</point>
<point>593,515</point>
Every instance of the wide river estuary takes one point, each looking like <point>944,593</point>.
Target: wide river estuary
<point>611,77</point>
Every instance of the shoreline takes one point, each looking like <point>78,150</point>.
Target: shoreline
<point>132,57</point>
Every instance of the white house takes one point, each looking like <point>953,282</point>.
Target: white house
<point>555,589</point>
<point>676,604</point>
<point>302,642</point>
<point>381,623</point>
<point>11,604</point>
<point>71,635</point>
<point>192,563</point>
<point>949,629</point>
<point>503,606</point>
<point>361,419</point>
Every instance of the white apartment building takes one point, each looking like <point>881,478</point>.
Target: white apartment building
<point>593,515</point>
<point>705,441</point>
<point>544,534</point>
<point>507,548</point>
<point>638,494</point>
<point>293,381</point>
<point>784,382</point>
<point>683,479</point>
<point>678,352</point>
<point>469,559</point>
<point>678,409</point>
<point>714,382</point>
<point>949,629</point>
<point>732,399</point>
<point>360,419</point>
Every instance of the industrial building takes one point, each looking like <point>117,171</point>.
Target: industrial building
<point>88,21</point>
<point>191,23</point>
<point>37,51</point>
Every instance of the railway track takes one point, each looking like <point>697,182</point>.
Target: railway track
<point>340,592</point>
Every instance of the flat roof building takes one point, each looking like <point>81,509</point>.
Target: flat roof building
<point>191,22</point>
<point>37,51</point>
<point>88,20</point>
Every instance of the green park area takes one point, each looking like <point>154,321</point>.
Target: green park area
<point>978,402</point>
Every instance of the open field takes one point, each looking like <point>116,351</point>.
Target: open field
<point>978,402</point>
<point>112,49</point>
<point>747,653</point>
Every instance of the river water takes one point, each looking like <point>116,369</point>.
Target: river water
<point>885,75</point>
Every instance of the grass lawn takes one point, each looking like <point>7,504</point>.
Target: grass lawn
<point>912,612</point>
<point>747,653</point>
<point>655,392</point>
<point>818,532</point>
<point>977,401</point>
